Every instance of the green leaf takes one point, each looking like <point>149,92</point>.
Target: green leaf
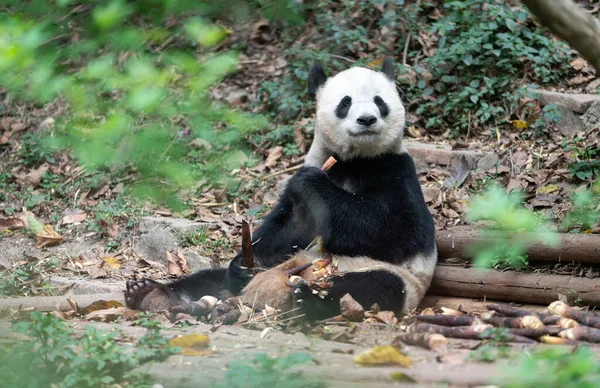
<point>34,225</point>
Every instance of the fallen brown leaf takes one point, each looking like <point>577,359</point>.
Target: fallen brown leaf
<point>176,263</point>
<point>99,305</point>
<point>74,216</point>
<point>96,272</point>
<point>47,237</point>
<point>11,223</point>
<point>351,309</point>
<point>387,317</point>
<point>112,314</point>
<point>299,139</point>
<point>275,154</point>
<point>34,176</point>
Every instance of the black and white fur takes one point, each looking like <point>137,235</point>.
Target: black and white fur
<point>368,210</point>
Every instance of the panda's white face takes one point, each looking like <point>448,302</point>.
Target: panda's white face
<point>359,114</point>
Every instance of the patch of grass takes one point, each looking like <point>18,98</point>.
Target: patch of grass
<point>55,356</point>
<point>556,368</point>
<point>264,371</point>
<point>192,237</point>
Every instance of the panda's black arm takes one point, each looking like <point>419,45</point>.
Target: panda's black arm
<point>282,233</point>
<point>353,224</point>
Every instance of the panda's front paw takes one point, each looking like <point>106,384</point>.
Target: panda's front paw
<point>315,305</point>
<point>308,179</point>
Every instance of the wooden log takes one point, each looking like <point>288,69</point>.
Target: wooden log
<point>512,286</point>
<point>56,303</point>
<point>469,305</point>
<point>580,248</point>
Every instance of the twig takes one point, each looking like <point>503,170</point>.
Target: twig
<point>289,169</point>
<point>405,51</point>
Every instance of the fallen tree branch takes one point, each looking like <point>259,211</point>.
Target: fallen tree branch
<point>512,286</point>
<point>469,305</point>
<point>570,22</point>
<point>56,303</point>
<point>580,248</point>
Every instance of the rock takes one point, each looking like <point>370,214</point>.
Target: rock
<point>444,155</point>
<point>487,163</point>
<point>569,125</point>
<point>154,244</point>
<point>172,223</point>
<point>591,118</point>
<point>577,103</point>
<point>197,262</point>
<point>85,286</point>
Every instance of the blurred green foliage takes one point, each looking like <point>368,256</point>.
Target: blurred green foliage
<point>54,355</point>
<point>510,229</point>
<point>556,368</point>
<point>134,77</point>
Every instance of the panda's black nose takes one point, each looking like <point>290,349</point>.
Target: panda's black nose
<point>367,121</point>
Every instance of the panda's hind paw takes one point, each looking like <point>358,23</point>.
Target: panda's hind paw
<point>149,295</point>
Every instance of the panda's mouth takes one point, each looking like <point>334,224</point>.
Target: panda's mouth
<point>363,133</point>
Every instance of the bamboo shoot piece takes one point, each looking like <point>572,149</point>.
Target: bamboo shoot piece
<point>564,310</point>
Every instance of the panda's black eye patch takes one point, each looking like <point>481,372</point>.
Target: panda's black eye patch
<point>383,107</point>
<point>341,111</point>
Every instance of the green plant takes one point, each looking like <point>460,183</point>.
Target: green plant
<point>585,210</point>
<point>20,281</point>
<point>586,162</point>
<point>264,371</point>
<point>483,46</point>
<point>511,229</point>
<point>494,348</point>
<point>55,356</point>
<point>192,237</point>
<point>556,368</point>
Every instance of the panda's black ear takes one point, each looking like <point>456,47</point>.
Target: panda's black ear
<point>388,68</point>
<point>316,78</point>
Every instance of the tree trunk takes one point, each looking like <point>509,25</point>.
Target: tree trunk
<point>580,248</point>
<point>572,24</point>
<point>512,286</point>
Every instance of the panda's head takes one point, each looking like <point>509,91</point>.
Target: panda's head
<point>359,112</point>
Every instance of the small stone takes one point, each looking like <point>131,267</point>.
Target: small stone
<point>488,162</point>
<point>569,125</point>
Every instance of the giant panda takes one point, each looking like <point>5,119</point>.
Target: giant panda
<point>368,210</point>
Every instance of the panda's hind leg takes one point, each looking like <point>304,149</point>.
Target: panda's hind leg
<point>149,295</point>
<point>269,287</point>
